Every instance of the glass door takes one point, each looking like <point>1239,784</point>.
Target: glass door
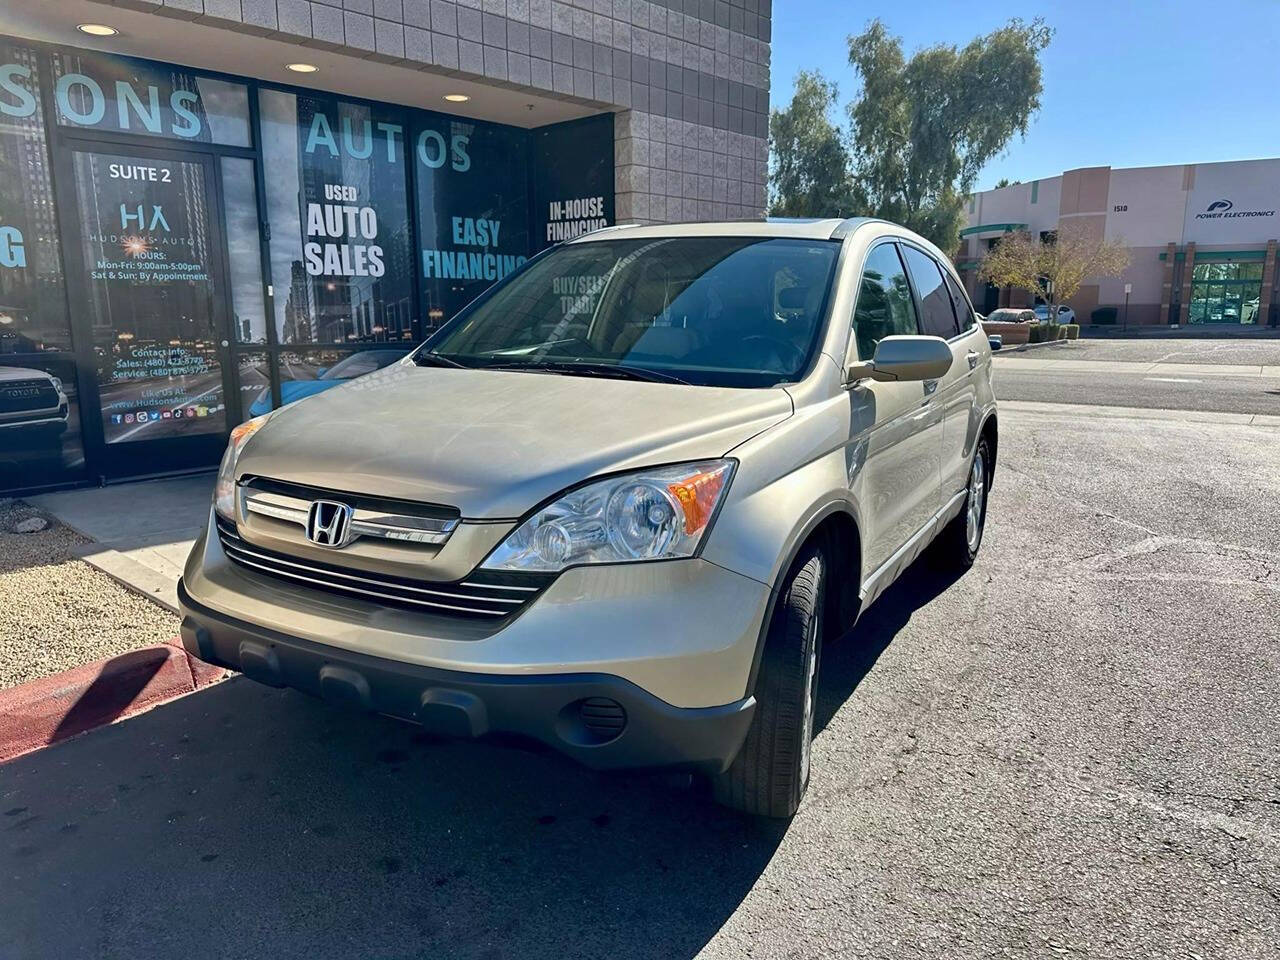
<point>153,281</point>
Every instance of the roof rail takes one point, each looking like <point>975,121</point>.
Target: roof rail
<point>850,224</point>
<point>604,229</point>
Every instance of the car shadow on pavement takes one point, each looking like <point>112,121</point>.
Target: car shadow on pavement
<point>247,821</point>
<point>846,661</point>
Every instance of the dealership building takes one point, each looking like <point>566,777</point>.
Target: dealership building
<point>1201,239</point>
<point>212,207</point>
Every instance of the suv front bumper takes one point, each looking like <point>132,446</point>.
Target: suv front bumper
<point>685,631</point>
<point>602,721</point>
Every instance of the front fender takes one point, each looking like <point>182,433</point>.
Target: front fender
<point>788,480</point>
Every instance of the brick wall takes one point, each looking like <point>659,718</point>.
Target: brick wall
<point>689,79</point>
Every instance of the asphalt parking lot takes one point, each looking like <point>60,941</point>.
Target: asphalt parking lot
<point>1236,376</point>
<point>1072,750</point>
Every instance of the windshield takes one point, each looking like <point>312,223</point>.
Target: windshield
<point>721,311</point>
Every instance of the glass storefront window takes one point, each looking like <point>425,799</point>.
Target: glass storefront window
<point>40,408</point>
<point>100,92</point>
<point>151,282</point>
<point>1226,292</point>
<point>159,282</point>
<point>244,256</point>
<point>473,209</point>
<point>254,373</point>
<point>337,198</point>
<point>33,303</point>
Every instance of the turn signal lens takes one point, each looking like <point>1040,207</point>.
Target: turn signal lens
<point>224,489</point>
<point>698,496</point>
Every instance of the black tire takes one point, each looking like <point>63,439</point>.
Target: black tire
<point>955,548</point>
<point>771,771</point>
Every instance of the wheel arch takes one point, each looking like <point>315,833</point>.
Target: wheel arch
<point>835,528</point>
<point>990,432</point>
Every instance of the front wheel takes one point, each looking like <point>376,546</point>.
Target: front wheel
<point>771,771</point>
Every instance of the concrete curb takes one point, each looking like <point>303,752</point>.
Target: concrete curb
<point>45,711</point>
<point>132,575</point>
<point>1023,347</point>
<point>1107,331</point>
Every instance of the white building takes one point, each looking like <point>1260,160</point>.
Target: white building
<point>1201,238</point>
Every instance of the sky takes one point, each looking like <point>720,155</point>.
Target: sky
<point>1127,83</point>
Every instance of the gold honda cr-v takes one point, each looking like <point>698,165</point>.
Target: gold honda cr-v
<point>619,501</point>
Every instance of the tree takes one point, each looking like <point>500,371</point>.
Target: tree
<point>811,176</point>
<point>925,127</point>
<point>1005,182</point>
<point>922,129</point>
<point>1052,268</point>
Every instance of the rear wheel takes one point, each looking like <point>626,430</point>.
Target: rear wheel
<point>960,540</point>
<point>771,771</point>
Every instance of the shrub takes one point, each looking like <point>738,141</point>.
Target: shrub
<point>1104,315</point>
<point>1043,332</point>
<point>1071,331</point>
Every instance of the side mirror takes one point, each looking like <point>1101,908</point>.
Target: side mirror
<point>903,358</point>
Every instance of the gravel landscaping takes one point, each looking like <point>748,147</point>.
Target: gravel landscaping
<point>58,612</point>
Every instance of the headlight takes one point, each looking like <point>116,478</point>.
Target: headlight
<point>656,514</point>
<point>224,491</point>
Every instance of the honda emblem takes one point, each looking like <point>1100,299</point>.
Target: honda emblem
<point>329,523</point>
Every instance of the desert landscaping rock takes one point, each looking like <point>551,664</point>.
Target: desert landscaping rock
<point>58,612</point>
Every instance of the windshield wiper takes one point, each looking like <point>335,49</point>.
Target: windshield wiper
<point>587,368</point>
<point>432,359</point>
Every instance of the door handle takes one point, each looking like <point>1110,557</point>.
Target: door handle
<point>930,387</point>
<point>972,357</point>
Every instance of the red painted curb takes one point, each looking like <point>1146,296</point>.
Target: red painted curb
<point>45,711</point>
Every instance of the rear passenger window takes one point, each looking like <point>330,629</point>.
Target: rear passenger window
<point>936,316</point>
<point>964,312</point>
<point>884,307</point>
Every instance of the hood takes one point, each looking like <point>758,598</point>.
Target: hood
<point>496,443</point>
<point>290,390</point>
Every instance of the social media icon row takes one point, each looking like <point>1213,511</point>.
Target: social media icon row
<point>146,416</point>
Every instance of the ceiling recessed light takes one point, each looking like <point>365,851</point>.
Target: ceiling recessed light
<point>456,97</point>
<point>301,67</point>
<point>97,29</point>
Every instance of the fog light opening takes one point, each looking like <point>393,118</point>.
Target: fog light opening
<point>591,722</point>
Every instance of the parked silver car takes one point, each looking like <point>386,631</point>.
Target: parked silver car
<point>619,503</point>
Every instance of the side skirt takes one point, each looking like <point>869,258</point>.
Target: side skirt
<point>884,576</point>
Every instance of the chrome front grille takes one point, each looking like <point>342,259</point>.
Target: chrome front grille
<point>481,595</point>
<point>378,518</point>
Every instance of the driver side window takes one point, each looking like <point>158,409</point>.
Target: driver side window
<point>884,307</point>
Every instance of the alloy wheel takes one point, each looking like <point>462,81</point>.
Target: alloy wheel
<point>977,502</point>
